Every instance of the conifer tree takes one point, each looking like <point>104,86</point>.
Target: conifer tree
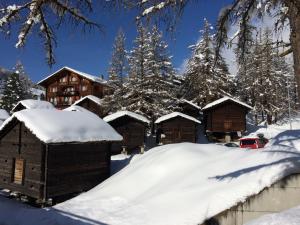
<point>207,78</point>
<point>13,92</point>
<point>118,64</point>
<point>25,80</point>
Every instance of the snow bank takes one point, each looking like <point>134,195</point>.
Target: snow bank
<point>91,97</point>
<point>176,114</point>
<point>34,104</point>
<point>224,99</point>
<point>55,126</point>
<point>182,184</point>
<point>287,217</point>
<point>119,114</point>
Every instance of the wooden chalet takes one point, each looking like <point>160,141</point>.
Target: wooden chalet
<point>91,103</point>
<point>32,104</point>
<point>175,128</point>
<point>67,85</point>
<point>190,108</point>
<point>225,119</point>
<point>47,154</point>
<point>132,127</point>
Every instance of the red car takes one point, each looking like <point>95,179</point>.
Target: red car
<point>253,142</point>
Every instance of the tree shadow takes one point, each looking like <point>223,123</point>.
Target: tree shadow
<point>117,165</point>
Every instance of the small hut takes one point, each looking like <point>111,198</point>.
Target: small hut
<point>190,108</point>
<point>176,127</point>
<point>32,104</point>
<point>91,103</point>
<point>3,115</point>
<point>132,127</point>
<point>225,119</point>
<point>47,154</point>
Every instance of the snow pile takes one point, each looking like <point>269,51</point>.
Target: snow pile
<point>119,114</point>
<point>3,114</point>
<point>176,114</point>
<point>185,184</point>
<point>224,99</point>
<point>55,126</point>
<point>288,217</point>
<point>85,75</point>
<point>34,104</point>
<point>91,97</point>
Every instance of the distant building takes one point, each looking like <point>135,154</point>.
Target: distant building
<point>132,127</point>
<point>176,127</point>
<point>67,85</point>
<point>225,118</point>
<point>91,103</point>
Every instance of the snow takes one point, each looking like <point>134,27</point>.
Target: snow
<point>192,104</point>
<point>3,114</point>
<point>34,104</point>
<point>287,217</point>
<point>224,99</point>
<point>176,114</point>
<point>86,75</point>
<point>91,97</point>
<point>57,126</point>
<point>77,108</point>
<point>36,91</point>
<point>119,114</point>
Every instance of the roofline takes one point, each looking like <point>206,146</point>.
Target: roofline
<point>128,116</point>
<point>86,97</point>
<point>179,114</point>
<point>71,70</point>
<point>228,99</point>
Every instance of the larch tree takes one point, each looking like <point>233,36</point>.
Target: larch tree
<point>118,65</point>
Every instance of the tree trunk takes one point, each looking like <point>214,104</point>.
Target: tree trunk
<point>294,17</point>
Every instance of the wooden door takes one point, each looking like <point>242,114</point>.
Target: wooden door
<point>19,171</point>
<point>227,125</point>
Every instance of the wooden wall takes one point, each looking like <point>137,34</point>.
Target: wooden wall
<point>92,106</point>
<point>178,130</point>
<point>133,132</point>
<point>227,117</point>
<point>63,93</point>
<point>73,168</point>
<point>20,143</point>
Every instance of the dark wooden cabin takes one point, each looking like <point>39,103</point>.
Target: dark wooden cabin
<point>47,164</point>
<point>175,128</point>
<point>190,108</point>
<point>91,103</point>
<point>67,85</point>
<point>225,118</point>
<point>132,127</point>
<point>32,104</point>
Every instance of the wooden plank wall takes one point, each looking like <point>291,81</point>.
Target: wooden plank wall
<point>76,167</point>
<point>178,130</point>
<point>133,133</point>
<point>227,117</point>
<point>20,143</point>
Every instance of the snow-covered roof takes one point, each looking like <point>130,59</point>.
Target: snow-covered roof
<point>91,97</point>
<point>3,114</point>
<point>57,126</point>
<point>76,108</point>
<point>34,104</point>
<point>36,91</point>
<point>192,104</point>
<point>85,75</point>
<point>119,114</point>
<point>176,114</point>
<point>224,99</point>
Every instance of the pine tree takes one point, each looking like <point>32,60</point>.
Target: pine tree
<point>207,78</point>
<point>13,92</point>
<point>118,64</point>
<point>25,80</point>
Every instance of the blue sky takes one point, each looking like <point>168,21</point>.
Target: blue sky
<point>91,52</point>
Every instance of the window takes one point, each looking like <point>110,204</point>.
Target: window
<point>18,171</point>
<point>63,80</point>
<point>66,99</point>
<point>73,79</point>
<point>84,88</point>
<point>53,89</point>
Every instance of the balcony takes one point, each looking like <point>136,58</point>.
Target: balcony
<point>67,93</point>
